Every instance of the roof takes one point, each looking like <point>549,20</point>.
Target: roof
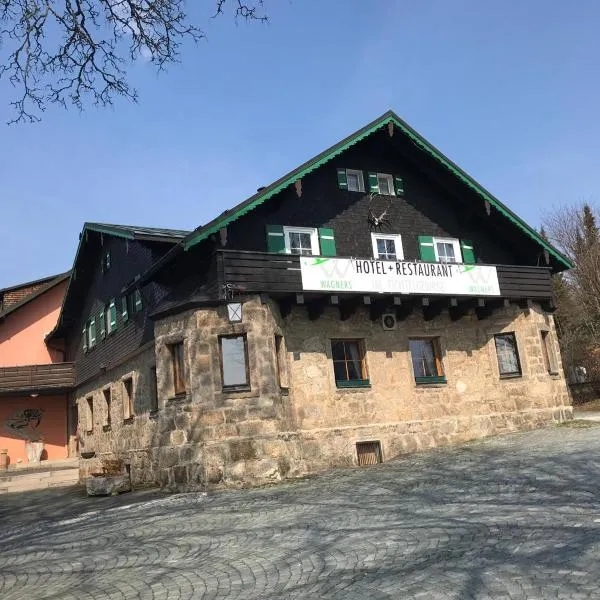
<point>133,232</point>
<point>129,232</point>
<point>388,119</point>
<point>50,283</point>
<point>35,282</point>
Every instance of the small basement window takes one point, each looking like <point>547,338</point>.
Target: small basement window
<point>426,359</point>
<point>368,453</point>
<point>507,353</point>
<point>349,363</point>
<point>301,240</point>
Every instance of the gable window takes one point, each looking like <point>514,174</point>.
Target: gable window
<point>548,351</point>
<point>387,246</point>
<point>91,333</point>
<point>110,314</point>
<point>381,183</point>
<point>127,398</point>
<point>233,350</point>
<point>351,180</point>
<point>178,364</point>
<point>301,240</point>
<point>447,250</point>
<point>507,353</point>
<point>426,359</point>
<point>105,262</point>
<point>349,363</point>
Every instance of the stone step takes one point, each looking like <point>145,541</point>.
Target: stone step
<point>36,479</point>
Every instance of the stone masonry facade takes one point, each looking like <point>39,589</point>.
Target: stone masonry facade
<point>293,420</point>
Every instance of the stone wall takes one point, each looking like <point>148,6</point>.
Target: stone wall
<point>293,420</point>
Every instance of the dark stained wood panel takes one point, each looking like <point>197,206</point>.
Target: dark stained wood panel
<point>278,273</point>
<point>37,378</point>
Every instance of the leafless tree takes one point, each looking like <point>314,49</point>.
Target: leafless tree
<point>575,231</point>
<point>71,52</point>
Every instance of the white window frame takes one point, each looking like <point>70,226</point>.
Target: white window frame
<point>388,236</point>
<point>361,180</point>
<point>314,238</point>
<point>454,241</point>
<point>390,180</point>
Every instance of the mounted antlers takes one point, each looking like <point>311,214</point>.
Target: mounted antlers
<point>382,219</point>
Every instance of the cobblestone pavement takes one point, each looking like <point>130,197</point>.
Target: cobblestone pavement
<point>511,517</point>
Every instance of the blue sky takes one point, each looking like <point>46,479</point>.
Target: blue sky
<point>508,90</point>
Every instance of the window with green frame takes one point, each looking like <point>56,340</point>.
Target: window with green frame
<point>349,363</point>
<point>426,359</point>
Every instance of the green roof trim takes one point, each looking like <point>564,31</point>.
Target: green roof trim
<point>389,117</point>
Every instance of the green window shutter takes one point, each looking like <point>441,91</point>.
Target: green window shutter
<point>342,182</point>
<point>468,253</point>
<point>92,332</point>
<point>275,239</point>
<point>399,186</point>
<point>426,250</point>
<point>84,338</point>
<point>102,320</point>
<point>373,183</point>
<point>327,241</point>
<point>112,309</point>
<point>137,296</point>
<point>124,311</point>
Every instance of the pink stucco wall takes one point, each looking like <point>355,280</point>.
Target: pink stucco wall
<point>22,333</point>
<point>50,426</point>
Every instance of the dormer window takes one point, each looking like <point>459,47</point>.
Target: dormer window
<point>301,240</point>
<point>105,262</point>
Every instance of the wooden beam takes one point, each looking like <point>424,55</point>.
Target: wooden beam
<point>391,129</point>
<point>335,300</point>
<point>348,307</point>
<point>298,186</point>
<point>299,298</point>
<point>285,306</point>
<point>397,301</point>
<point>366,300</point>
<point>377,309</point>
<point>424,301</point>
<point>488,208</point>
<point>316,308</point>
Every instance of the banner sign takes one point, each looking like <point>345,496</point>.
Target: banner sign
<point>397,277</point>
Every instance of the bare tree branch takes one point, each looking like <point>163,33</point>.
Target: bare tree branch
<point>72,52</point>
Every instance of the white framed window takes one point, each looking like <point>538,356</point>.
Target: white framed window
<point>355,180</point>
<point>385,183</point>
<point>301,240</point>
<point>447,250</point>
<point>387,246</point>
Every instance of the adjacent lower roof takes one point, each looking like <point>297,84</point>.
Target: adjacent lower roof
<point>388,119</point>
<point>49,283</point>
<point>133,232</point>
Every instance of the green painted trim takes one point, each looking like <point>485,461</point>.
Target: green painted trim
<point>389,117</point>
<point>109,230</point>
<point>431,379</point>
<point>353,383</point>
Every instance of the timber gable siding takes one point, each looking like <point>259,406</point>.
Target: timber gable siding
<point>425,209</point>
<point>128,259</point>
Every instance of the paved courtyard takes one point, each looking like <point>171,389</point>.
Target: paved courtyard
<point>511,517</point>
